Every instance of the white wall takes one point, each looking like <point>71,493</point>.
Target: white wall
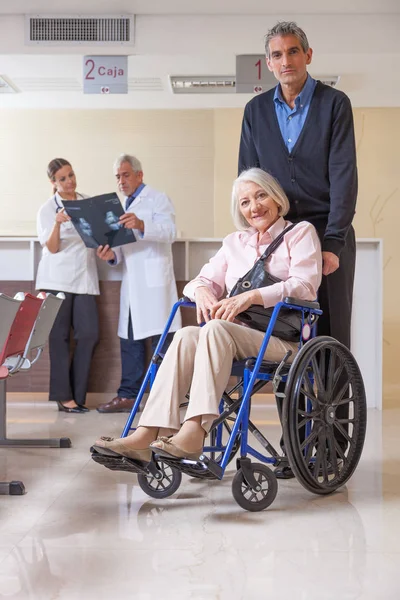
<point>363,49</point>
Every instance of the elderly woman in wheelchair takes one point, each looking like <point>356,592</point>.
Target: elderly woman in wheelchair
<point>201,359</point>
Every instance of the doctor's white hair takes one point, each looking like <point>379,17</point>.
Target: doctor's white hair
<point>132,160</point>
<point>268,183</point>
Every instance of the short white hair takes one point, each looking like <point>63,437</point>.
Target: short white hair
<point>268,183</point>
<point>132,160</point>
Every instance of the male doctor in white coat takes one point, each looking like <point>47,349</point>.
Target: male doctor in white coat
<point>148,288</point>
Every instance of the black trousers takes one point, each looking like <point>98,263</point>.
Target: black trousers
<point>335,297</point>
<point>69,376</point>
<point>133,361</point>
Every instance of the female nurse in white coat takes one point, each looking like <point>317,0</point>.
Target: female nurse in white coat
<point>68,266</point>
<point>148,289</point>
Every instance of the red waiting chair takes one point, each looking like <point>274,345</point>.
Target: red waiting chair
<point>25,323</point>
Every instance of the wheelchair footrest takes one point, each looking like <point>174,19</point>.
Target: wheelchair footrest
<point>116,463</point>
<point>201,469</point>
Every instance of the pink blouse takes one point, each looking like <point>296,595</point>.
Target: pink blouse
<point>297,261</point>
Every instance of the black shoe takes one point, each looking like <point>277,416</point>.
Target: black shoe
<point>63,408</point>
<point>284,473</point>
<point>83,408</point>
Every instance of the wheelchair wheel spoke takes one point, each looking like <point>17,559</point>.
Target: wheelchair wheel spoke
<point>322,365</point>
<point>317,375</point>
<point>331,374</point>
<point>252,495</point>
<point>339,451</point>
<point>309,453</point>
<point>342,402</point>
<point>325,474</point>
<point>338,400</point>
<point>313,435</point>
<point>342,431</point>
<point>332,452</point>
<point>318,459</point>
<point>302,423</point>
<point>311,397</point>
<point>307,415</point>
<point>338,374</point>
<point>308,391</point>
<point>248,490</point>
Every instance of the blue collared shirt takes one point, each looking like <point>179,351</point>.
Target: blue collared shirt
<point>291,120</point>
<point>135,194</point>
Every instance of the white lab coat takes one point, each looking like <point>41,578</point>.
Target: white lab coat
<point>73,268</point>
<point>148,286</point>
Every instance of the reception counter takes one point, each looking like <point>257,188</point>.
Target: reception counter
<point>19,257</point>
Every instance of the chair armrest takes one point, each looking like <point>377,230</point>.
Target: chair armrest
<point>187,300</point>
<point>301,303</point>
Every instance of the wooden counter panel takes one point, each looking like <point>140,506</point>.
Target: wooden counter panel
<point>106,367</point>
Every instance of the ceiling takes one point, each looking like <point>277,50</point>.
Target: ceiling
<point>356,39</point>
<point>195,7</point>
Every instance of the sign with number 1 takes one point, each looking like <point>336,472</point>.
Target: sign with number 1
<point>252,74</point>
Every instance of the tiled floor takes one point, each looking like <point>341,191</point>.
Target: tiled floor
<point>82,531</point>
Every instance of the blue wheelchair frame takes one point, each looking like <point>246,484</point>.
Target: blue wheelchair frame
<point>251,375</point>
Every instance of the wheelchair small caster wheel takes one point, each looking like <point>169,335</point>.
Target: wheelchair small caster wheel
<point>257,499</point>
<point>162,486</point>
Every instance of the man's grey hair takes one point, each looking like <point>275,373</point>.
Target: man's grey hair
<point>132,160</point>
<point>286,28</point>
<point>268,183</point>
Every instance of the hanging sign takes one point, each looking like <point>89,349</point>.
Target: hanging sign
<point>105,74</point>
<point>253,75</point>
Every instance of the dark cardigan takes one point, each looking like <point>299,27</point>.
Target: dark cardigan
<point>319,176</point>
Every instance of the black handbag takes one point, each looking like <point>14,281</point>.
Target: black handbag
<point>289,322</point>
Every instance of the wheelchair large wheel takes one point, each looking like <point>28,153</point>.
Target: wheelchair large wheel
<point>164,487</point>
<point>257,499</point>
<point>324,415</point>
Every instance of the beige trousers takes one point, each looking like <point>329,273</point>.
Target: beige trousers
<point>200,358</point>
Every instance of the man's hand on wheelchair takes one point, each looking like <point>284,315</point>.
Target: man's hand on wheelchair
<point>330,263</point>
<point>229,308</point>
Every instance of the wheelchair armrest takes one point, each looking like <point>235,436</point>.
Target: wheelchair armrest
<point>301,303</point>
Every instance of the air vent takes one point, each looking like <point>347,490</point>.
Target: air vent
<point>203,84</point>
<point>78,29</point>
<point>221,84</point>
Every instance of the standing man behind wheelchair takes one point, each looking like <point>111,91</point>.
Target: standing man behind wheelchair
<point>302,132</point>
<point>148,288</point>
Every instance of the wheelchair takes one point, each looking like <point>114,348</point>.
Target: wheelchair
<point>323,416</point>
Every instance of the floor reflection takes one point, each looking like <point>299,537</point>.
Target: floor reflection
<point>83,531</point>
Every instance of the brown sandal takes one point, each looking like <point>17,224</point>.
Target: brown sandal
<point>166,447</point>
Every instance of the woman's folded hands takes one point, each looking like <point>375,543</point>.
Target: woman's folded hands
<point>209,307</point>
